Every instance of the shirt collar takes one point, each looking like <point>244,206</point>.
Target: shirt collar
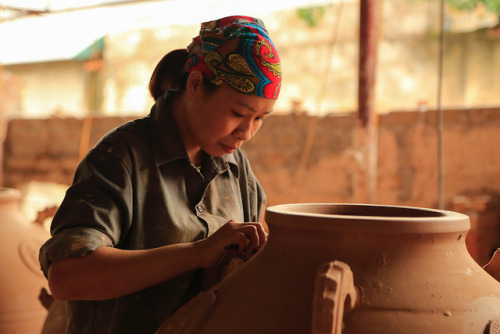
<point>167,141</point>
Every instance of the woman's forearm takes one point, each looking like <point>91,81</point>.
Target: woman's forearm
<point>110,273</point>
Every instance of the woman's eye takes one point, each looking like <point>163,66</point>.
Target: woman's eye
<point>237,114</point>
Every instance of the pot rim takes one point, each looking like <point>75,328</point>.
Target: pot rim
<point>369,217</point>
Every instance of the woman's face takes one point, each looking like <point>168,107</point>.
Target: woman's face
<point>220,121</point>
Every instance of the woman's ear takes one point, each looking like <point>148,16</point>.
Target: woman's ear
<point>194,84</point>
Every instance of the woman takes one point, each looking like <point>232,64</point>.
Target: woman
<point>162,198</point>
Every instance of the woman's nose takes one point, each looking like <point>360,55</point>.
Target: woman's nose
<point>244,131</point>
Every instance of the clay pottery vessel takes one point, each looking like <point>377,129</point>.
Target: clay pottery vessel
<point>21,280</point>
<point>352,269</point>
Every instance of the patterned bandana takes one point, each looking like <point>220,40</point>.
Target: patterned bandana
<point>237,50</point>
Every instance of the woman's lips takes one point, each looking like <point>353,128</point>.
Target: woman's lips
<point>228,149</point>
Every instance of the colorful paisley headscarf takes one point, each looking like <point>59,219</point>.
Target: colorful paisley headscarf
<point>237,50</point>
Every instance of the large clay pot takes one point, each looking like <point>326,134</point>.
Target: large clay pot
<point>352,269</point>
<point>21,280</point>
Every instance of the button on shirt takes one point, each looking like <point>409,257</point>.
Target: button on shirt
<point>138,190</point>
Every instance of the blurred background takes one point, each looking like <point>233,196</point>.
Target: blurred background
<point>392,102</point>
<point>386,102</point>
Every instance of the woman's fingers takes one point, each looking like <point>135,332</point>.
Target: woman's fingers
<point>245,242</point>
<point>262,236</point>
<point>247,237</point>
<point>257,237</point>
<point>241,240</point>
<point>251,236</point>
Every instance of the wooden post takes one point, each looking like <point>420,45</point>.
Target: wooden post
<point>368,38</point>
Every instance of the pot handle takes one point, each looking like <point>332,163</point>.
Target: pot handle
<point>334,295</point>
<point>493,326</point>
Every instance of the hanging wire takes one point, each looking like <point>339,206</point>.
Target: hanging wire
<point>311,133</point>
<point>439,109</point>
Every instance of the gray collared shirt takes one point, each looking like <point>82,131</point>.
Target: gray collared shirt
<point>136,189</point>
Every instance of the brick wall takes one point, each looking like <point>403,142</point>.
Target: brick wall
<point>48,150</point>
<point>335,169</point>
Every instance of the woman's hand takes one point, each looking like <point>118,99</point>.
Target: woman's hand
<point>245,238</point>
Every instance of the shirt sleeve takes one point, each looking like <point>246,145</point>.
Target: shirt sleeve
<point>74,242</point>
<point>95,212</point>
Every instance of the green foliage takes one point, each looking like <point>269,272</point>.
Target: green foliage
<point>311,15</point>
<point>463,4</point>
<point>492,5</point>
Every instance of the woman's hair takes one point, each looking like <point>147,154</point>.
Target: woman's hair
<point>169,74</point>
